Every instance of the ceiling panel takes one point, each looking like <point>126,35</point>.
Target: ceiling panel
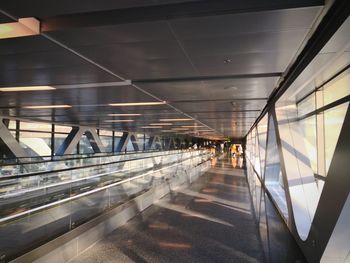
<point>245,23</point>
<point>209,89</point>
<point>37,61</point>
<point>79,97</point>
<point>5,19</point>
<point>44,8</point>
<point>227,114</point>
<point>219,105</point>
<point>214,47</point>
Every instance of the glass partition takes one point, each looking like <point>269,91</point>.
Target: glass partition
<point>36,208</point>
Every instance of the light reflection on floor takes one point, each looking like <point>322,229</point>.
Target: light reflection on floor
<point>211,221</point>
<point>172,245</point>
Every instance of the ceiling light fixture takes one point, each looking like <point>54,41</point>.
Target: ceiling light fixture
<point>161,124</point>
<point>119,120</point>
<point>151,127</point>
<point>29,88</point>
<point>123,114</point>
<point>153,103</point>
<point>47,107</point>
<point>175,120</point>
<point>24,27</point>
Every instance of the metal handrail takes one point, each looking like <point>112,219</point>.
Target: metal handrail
<point>3,178</point>
<point>79,157</point>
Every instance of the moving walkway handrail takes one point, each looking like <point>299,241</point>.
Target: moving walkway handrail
<point>58,202</point>
<point>32,166</point>
<point>3,178</point>
<point>78,157</point>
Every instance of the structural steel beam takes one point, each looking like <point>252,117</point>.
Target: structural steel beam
<point>336,189</point>
<point>95,141</point>
<point>169,143</point>
<point>73,138</point>
<point>167,12</point>
<point>123,143</point>
<point>8,143</point>
<point>154,143</point>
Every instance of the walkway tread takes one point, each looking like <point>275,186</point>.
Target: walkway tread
<point>210,221</point>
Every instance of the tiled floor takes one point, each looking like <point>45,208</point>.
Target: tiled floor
<point>210,221</point>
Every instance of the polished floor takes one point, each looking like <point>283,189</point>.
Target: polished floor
<point>210,221</point>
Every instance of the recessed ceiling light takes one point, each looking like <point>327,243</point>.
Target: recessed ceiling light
<point>124,114</point>
<point>151,127</point>
<point>161,124</point>
<point>153,103</point>
<point>29,88</point>
<point>119,120</point>
<point>175,120</point>
<point>47,107</point>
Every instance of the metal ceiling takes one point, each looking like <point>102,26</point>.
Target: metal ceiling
<point>217,67</point>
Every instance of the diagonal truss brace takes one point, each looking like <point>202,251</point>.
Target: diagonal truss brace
<point>123,143</point>
<point>9,143</point>
<point>73,138</point>
<point>154,143</point>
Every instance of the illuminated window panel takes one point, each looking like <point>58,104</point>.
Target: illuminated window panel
<point>338,89</point>
<point>333,122</point>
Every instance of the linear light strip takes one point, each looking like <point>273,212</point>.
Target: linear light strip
<point>27,88</point>
<point>161,124</point>
<point>153,103</point>
<point>170,120</point>
<point>119,120</point>
<point>123,114</point>
<point>47,106</point>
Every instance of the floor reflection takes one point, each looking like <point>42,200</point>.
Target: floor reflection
<point>211,221</point>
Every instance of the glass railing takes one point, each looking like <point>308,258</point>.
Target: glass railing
<point>34,165</point>
<point>36,208</point>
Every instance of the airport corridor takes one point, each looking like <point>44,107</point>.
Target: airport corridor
<point>209,221</point>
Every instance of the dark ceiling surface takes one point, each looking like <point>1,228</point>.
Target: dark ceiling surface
<point>217,69</point>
